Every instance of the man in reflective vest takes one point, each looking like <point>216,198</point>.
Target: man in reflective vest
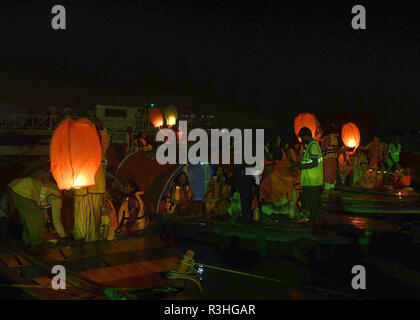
<point>311,174</point>
<point>394,150</point>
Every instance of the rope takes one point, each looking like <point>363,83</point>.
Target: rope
<point>190,262</point>
<point>190,274</point>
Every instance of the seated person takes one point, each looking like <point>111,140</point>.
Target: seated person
<point>371,179</point>
<point>109,221</point>
<point>235,210</point>
<point>277,193</point>
<point>401,177</point>
<point>217,196</point>
<point>132,215</point>
<point>182,198</point>
<point>142,144</point>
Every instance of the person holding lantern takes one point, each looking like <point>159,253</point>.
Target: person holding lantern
<point>345,167</point>
<point>88,200</point>
<point>311,174</point>
<point>31,196</point>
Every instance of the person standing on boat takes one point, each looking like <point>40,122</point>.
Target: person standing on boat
<point>329,148</point>
<point>129,141</point>
<point>311,174</point>
<point>345,166</point>
<point>31,196</point>
<point>244,184</point>
<point>88,200</point>
<point>394,150</point>
<point>374,152</point>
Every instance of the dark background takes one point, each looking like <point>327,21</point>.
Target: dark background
<point>248,62</point>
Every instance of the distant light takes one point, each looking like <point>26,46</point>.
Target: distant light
<point>152,105</point>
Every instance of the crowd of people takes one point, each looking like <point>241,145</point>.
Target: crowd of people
<point>294,177</point>
<point>136,142</point>
<point>37,204</point>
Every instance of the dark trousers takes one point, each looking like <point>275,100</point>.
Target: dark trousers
<point>311,200</point>
<point>32,218</point>
<point>244,184</point>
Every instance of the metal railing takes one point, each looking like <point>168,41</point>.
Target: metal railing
<point>46,124</point>
<point>43,123</point>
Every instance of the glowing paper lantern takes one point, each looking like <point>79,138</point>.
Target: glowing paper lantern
<point>305,120</point>
<point>155,117</point>
<point>350,135</point>
<point>171,114</point>
<point>75,153</point>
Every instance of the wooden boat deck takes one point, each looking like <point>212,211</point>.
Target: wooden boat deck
<point>137,261</point>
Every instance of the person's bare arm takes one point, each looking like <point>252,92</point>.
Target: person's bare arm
<point>56,204</point>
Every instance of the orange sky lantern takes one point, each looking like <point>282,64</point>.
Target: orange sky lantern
<point>75,153</point>
<point>350,135</point>
<point>305,120</point>
<point>155,117</point>
<point>171,115</point>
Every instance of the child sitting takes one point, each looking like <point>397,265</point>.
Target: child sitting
<point>109,221</point>
<point>402,177</point>
<point>132,215</point>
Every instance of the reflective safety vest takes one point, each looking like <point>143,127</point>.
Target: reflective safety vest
<point>142,220</point>
<point>394,152</point>
<point>314,176</point>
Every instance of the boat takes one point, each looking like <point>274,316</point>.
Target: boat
<point>341,226</point>
<point>132,267</point>
<point>141,265</point>
<point>370,202</point>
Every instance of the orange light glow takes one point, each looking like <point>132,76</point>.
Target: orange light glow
<point>171,114</point>
<point>155,117</point>
<point>350,135</point>
<point>75,153</point>
<point>171,121</point>
<point>305,120</point>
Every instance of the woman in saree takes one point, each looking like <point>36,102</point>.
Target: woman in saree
<point>182,198</point>
<point>329,148</point>
<point>217,198</point>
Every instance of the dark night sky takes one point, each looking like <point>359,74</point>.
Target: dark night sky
<point>277,58</point>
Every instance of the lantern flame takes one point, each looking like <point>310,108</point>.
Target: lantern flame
<point>79,182</point>
<point>171,114</point>
<point>171,121</point>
